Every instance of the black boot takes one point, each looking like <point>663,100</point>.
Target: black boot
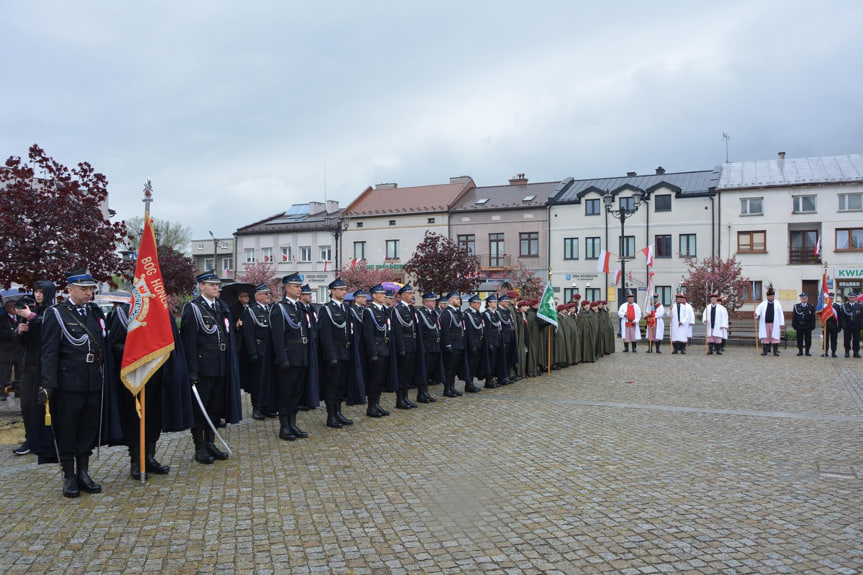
<point>332,420</point>
<point>292,421</point>
<point>676,347</point>
<point>626,347</point>
<point>382,411</point>
<point>85,483</point>
<point>649,348</point>
<point>344,420</point>
<point>490,384</point>
<point>717,348</point>
<point>423,394</point>
<point>471,388</point>
<point>410,403</point>
<point>709,349</point>
<point>285,431</point>
<point>765,348</point>
<point>257,414</point>
<point>634,347</point>
<point>202,455</point>
<point>372,409</point>
<point>135,465</point>
<point>776,349</point>
<point>799,351</point>
<point>209,443</point>
<point>70,484</point>
<point>658,346</point>
<point>448,390</point>
<point>150,462</point>
<point>400,399</point>
<point>683,347</point>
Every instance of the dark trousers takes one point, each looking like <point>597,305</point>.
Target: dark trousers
<point>407,369</point>
<point>852,340</point>
<point>804,339</point>
<point>493,354</point>
<point>253,380</point>
<point>451,357</point>
<point>292,382</point>
<point>377,375</point>
<point>212,392</point>
<point>129,420</point>
<point>27,393</point>
<point>75,419</point>
<point>6,372</point>
<point>432,359</point>
<point>832,336</point>
<point>473,359</point>
<point>335,380</point>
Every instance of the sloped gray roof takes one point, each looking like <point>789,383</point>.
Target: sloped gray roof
<point>683,183</point>
<point>506,196</point>
<point>296,219</point>
<point>792,171</point>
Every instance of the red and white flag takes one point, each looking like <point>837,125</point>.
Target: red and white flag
<point>818,247</point>
<point>150,338</point>
<point>617,274</point>
<point>284,256</point>
<point>325,265</point>
<point>602,263</point>
<point>648,253</point>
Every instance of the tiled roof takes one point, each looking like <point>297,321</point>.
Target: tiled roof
<point>792,171</point>
<point>684,183</point>
<point>506,196</point>
<point>418,199</point>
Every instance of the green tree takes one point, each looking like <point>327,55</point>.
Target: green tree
<point>168,233</point>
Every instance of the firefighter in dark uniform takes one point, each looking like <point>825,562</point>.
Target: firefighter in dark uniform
<point>310,398</point>
<point>803,322</point>
<point>850,315</point>
<point>430,329</point>
<point>494,335</point>
<point>405,332</point>
<point>291,346</point>
<point>474,342</point>
<point>73,352</point>
<point>452,342</point>
<point>508,347</point>
<point>256,324</point>
<point>376,336</point>
<point>211,359</point>
<point>335,341</point>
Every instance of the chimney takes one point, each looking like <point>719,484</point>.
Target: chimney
<point>631,174</point>
<point>660,171</point>
<point>316,208</point>
<point>781,155</point>
<point>386,186</point>
<point>459,180</point>
<point>332,206</point>
<point>518,180</point>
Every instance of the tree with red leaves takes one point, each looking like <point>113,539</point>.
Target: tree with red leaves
<point>260,273</point>
<point>715,275</point>
<point>361,276</point>
<point>54,223</point>
<point>440,265</point>
<point>525,282</point>
<point>178,271</point>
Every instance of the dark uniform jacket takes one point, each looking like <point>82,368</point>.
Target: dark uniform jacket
<point>851,316</point>
<point>73,348</point>
<point>428,323</point>
<point>256,325</point>
<point>493,328</point>
<point>803,317</point>
<point>290,328</point>
<point>474,331</point>
<point>334,332</point>
<point>376,331</point>
<point>452,329</point>
<point>206,335</point>
<point>404,327</point>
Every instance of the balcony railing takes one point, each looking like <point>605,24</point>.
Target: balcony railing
<point>490,261</point>
<point>803,256</point>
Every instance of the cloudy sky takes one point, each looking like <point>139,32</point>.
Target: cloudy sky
<point>236,110</point>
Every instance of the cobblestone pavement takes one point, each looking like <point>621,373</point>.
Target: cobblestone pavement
<point>635,464</point>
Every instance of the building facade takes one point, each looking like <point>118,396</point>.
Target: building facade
<point>215,254</point>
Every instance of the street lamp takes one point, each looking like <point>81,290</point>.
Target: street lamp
<point>215,251</point>
<point>337,225</point>
<point>621,214</point>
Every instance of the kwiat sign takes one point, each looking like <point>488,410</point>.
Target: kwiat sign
<point>842,273</point>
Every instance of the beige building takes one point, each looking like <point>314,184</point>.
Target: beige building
<point>386,223</point>
<point>215,254</point>
<point>784,218</point>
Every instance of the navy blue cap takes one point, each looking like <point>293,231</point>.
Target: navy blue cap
<point>491,297</point>
<point>474,298</point>
<point>504,297</point>
<point>209,276</point>
<point>377,289</point>
<point>360,293</point>
<point>803,294</point>
<point>390,293</point>
<point>349,296</point>
<point>80,278</point>
<point>405,289</point>
<point>306,289</point>
<point>295,279</point>
<point>262,288</point>
<point>453,294</point>
<point>430,295</point>
<point>338,283</point>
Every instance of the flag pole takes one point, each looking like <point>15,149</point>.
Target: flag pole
<point>142,412</point>
<point>548,364</point>
<point>824,322</point>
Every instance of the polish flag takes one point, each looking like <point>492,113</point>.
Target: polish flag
<point>354,262</point>
<point>602,263</point>
<point>648,253</point>
<point>284,257</point>
<point>617,275</point>
<point>266,258</point>
<point>325,265</point>
<point>818,247</point>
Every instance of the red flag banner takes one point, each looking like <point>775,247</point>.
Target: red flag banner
<point>150,339</point>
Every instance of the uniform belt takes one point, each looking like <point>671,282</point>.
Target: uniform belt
<point>382,340</point>
<point>219,346</point>
<point>302,340</point>
<point>85,357</point>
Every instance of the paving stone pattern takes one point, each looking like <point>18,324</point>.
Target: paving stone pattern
<point>640,463</point>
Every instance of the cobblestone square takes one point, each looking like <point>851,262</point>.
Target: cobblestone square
<point>639,463</point>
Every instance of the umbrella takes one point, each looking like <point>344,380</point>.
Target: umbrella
<point>392,286</point>
<point>230,293</point>
<point>114,297</point>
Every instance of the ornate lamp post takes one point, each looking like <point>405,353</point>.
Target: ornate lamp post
<point>622,214</point>
<point>337,224</point>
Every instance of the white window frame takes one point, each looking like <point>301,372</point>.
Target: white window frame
<point>306,254</point>
<point>392,247</point>
<point>250,255</point>
<point>798,201</point>
<point>287,254</point>
<point>843,202</point>
<point>746,207</point>
<point>325,253</point>
<point>267,255</point>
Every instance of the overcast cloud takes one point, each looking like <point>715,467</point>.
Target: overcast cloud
<point>236,110</point>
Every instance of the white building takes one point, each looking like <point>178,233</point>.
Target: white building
<point>215,254</point>
<point>774,215</point>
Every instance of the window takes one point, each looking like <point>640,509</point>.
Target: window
<point>663,246</point>
<point>751,206</point>
<point>752,242</point>
<point>850,202</point>
<point>200,246</point>
<point>305,253</point>
<point>430,220</point>
<point>325,253</point>
<point>267,254</point>
<point>392,249</point>
<point>568,293</point>
<point>592,247</point>
<point>627,203</point>
<point>849,239</point>
<point>662,203</point>
<point>359,224</point>
<point>528,244</point>
<point>250,255</point>
<point>495,249</point>
<point>664,294</point>
<point>359,250</point>
<point>392,222</point>
<point>467,242</point>
<point>802,247</point>
<point>752,292</point>
<point>529,198</point>
<point>287,254</point>
<point>227,266</point>
<point>592,294</point>
<point>592,207</point>
<point>570,249</point>
<point>223,246</point>
<point>687,246</point>
<point>482,201</point>
<point>804,204</point>
<point>627,246</point>
<point>208,264</point>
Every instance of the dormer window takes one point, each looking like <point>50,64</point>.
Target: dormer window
<point>482,201</point>
<point>529,198</point>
